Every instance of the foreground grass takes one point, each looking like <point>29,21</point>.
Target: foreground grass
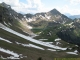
<point>31,53</point>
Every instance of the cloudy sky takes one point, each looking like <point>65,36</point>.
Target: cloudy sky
<point>35,6</point>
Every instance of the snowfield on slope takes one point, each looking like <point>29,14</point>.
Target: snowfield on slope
<point>30,45</point>
<point>31,39</point>
<point>5,40</point>
<point>14,55</point>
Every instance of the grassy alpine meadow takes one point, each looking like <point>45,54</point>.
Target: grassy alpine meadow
<point>66,58</point>
<point>38,36</point>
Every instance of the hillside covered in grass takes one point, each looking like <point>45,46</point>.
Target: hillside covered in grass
<point>42,36</point>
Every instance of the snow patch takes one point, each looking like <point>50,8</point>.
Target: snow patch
<point>9,52</point>
<point>63,22</point>
<point>5,40</point>
<point>30,19</point>
<point>14,55</point>
<point>48,17</point>
<point>30,45</point>
<point>51,50</point>
<point>58,39</point>
<point>6,23</point>
<point>24,16</point>
<point>75,52</point>
<point>72,53</point>
<point>34,46</point>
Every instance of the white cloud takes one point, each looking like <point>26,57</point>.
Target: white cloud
<point>30,6</point>
<point>68,9</point>
<point>75,2</point>
<point>35,6</point>
<point>11,2</point>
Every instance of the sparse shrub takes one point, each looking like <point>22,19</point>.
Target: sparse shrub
<point>40,58</point>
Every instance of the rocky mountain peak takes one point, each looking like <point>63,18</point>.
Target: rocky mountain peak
<point>5,5</point>
<point>54,12</point>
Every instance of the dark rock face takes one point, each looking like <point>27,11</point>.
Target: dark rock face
<point>54,12</point>
<point>28,15</point>
<point>8,15</point>
<point>5,5</point>
<point>69,36</point>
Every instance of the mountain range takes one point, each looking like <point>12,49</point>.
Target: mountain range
<point>40,36</point>
<point>74,16</point>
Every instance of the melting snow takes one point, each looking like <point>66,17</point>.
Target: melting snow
<point>32,40</point>
<point>75,52</point>
<point>30,19</point>
<point>72,53</point>
<point>30,45</point>
<point>9,52</point>
<point>24,16</point>
<point>48,17</point>
<point>6,23</point>
<point>58,39</point>
<point>5,40</point>
<point>11,57</point>
<point>51,50</point>
<point>14,55</point>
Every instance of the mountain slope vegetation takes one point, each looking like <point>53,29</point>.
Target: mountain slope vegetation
<point>42,36</point>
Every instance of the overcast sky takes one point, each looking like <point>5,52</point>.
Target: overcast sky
<point>34,6</point>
